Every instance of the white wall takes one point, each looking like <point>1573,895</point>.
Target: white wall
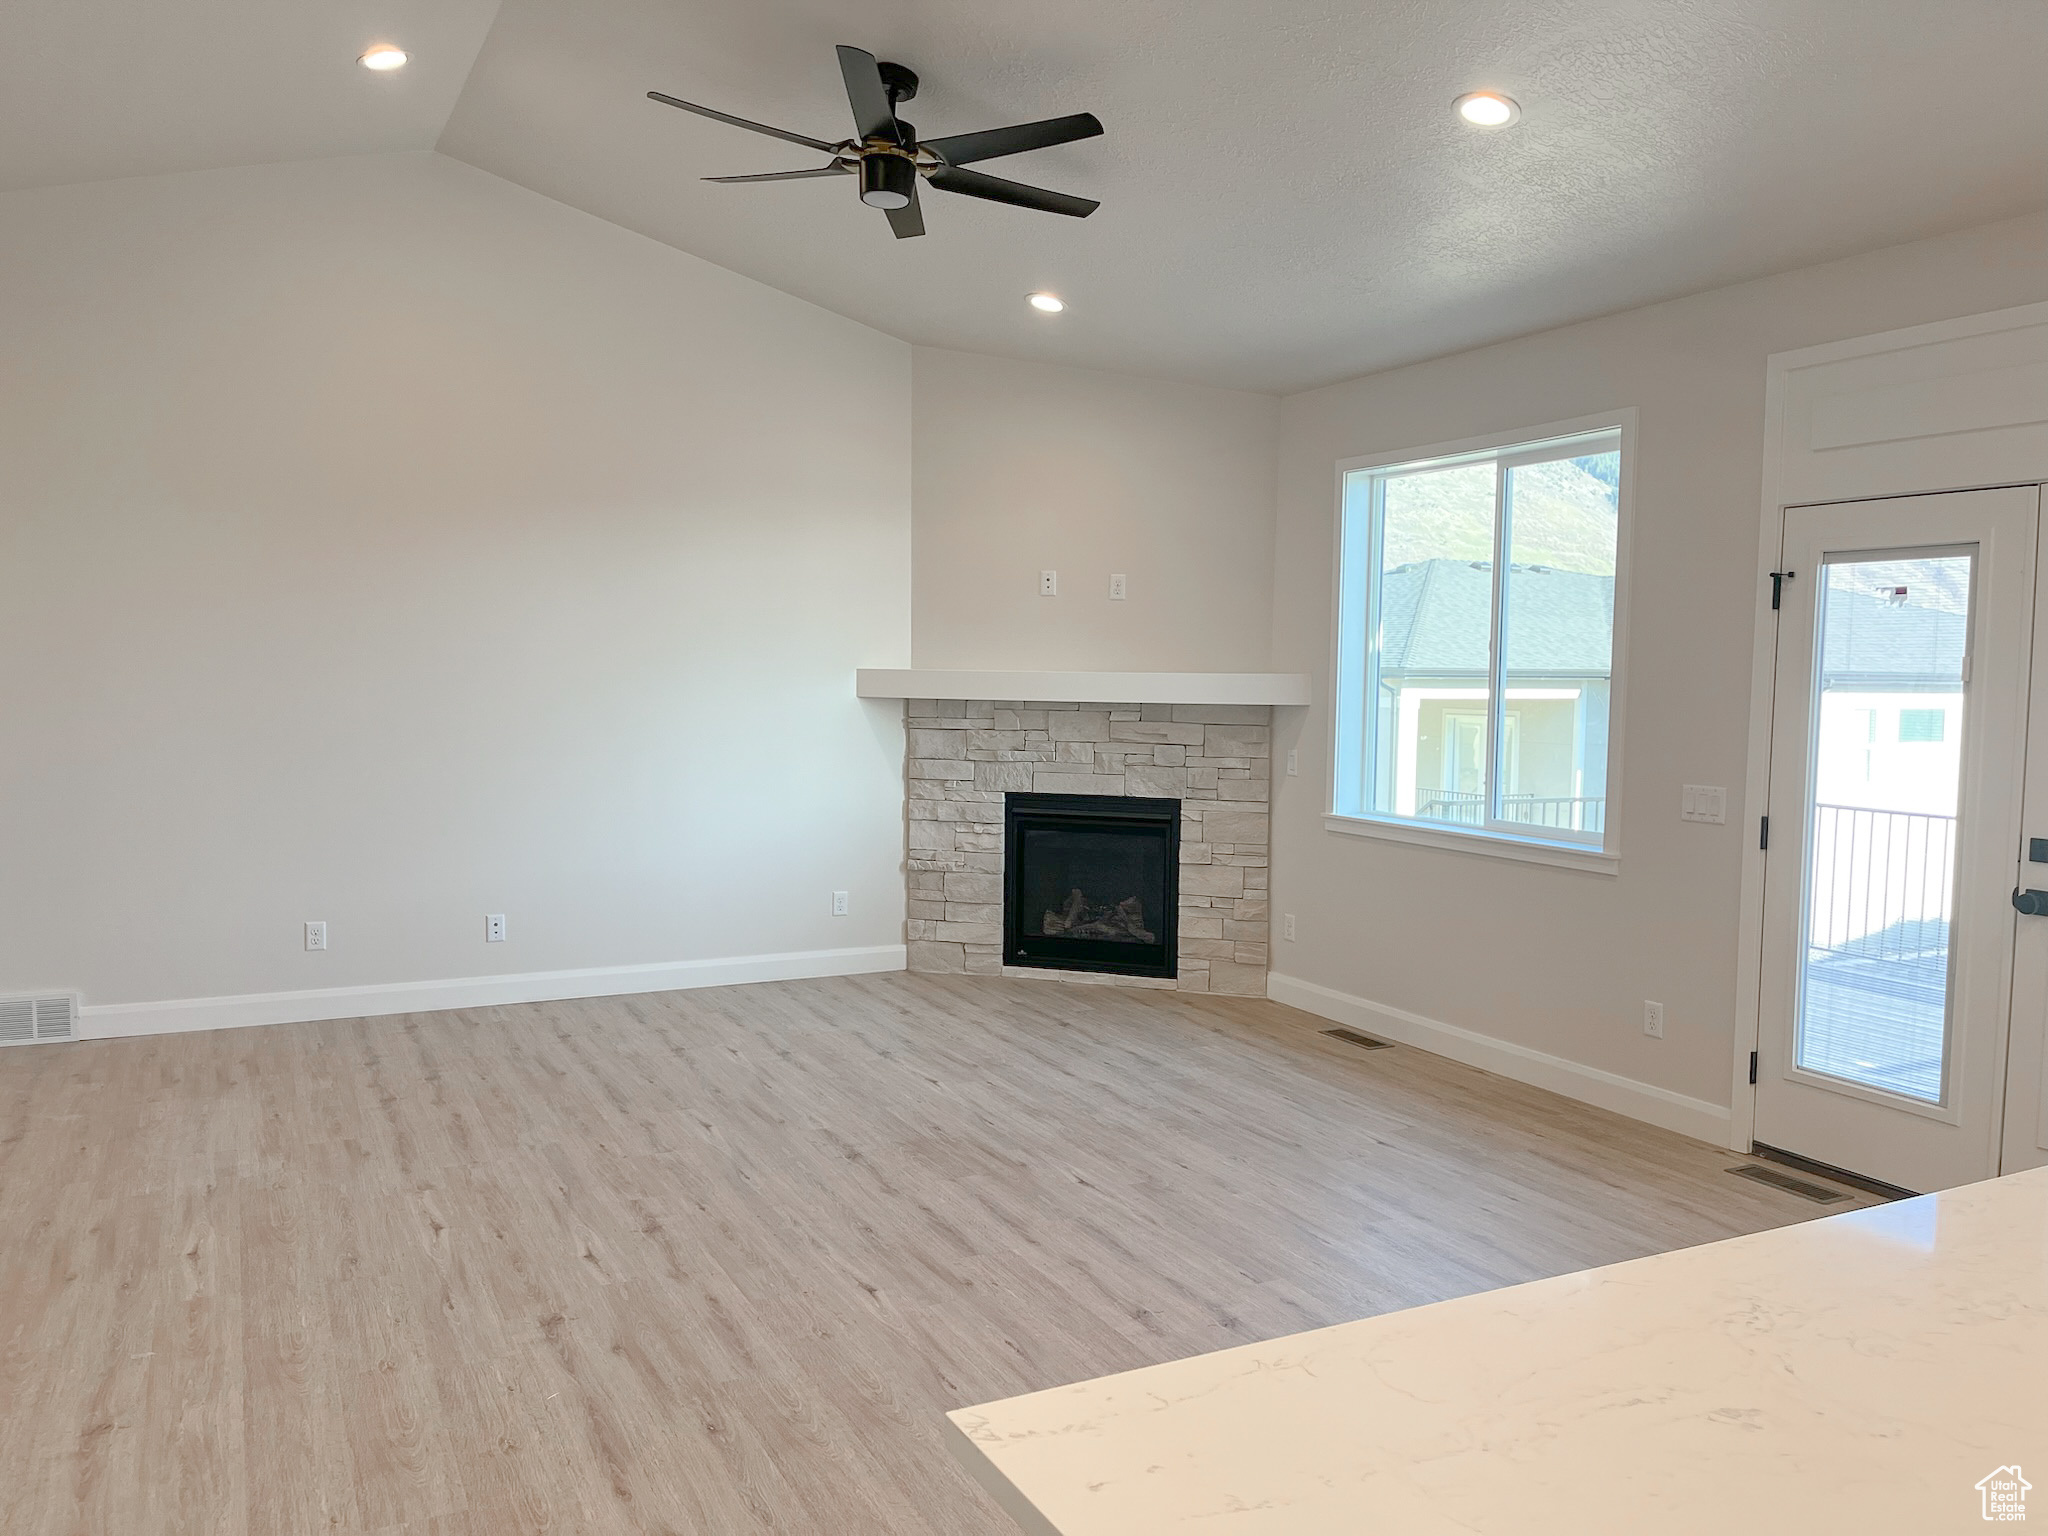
<point>1023,467</point>
<point>1553,960</point>
<point>384,544</point>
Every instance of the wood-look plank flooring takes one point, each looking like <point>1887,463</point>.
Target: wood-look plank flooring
<point>715,1262</point>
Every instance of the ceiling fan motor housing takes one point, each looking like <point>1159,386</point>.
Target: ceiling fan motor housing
<point>887,180</point>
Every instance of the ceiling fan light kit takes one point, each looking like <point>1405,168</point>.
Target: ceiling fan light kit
<point>889,159</point>
<point>887,181</point>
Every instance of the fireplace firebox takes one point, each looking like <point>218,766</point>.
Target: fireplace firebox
<point>1091,883</point>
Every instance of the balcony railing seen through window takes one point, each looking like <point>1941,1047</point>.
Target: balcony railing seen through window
<point>1563,813</point>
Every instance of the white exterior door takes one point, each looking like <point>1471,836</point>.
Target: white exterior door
<point>2026,1093</point>
<point>1898,750</point>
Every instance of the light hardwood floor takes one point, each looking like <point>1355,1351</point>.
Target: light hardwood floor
<point>714,1262</point>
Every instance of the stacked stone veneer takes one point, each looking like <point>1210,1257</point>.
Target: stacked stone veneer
<point>962,756</point>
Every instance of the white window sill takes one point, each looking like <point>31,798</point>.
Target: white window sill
<point>1489,845</point>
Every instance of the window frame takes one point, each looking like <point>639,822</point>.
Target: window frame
<point>1354,668</point>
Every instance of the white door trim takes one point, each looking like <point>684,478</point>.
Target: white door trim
<point>1807,466</point>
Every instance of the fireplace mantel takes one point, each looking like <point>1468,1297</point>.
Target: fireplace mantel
<point>1085,687</point>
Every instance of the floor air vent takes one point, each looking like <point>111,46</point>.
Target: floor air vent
<point>1791,1183</point>
<point>1364,1042</point>
<point>25,1020</point>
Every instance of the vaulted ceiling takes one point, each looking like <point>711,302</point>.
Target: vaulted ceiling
<point>91,89</point>
<point>1287,197</point>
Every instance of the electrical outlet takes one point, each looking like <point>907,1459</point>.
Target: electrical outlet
<point>316,935</point>
<point>1287,927</point>
<point>494,928</point>
<point>1048,583</point>
<point>1118,589</point>
<point>839,906</point>
<point>1293,761</point>
<point>1703,802</point>
<point>1653,1020</point>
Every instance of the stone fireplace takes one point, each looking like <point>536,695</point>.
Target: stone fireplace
<point>965,758</point>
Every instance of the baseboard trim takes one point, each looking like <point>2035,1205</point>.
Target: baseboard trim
<point>1574,1080</point>
<point>109,1021</point>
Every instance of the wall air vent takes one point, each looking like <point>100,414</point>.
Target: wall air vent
<point>45,1016</point>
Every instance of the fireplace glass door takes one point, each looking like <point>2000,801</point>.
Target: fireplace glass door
<point>1091,883</point>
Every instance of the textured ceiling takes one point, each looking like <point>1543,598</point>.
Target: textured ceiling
<point>1287,198</point>
<point>97,88</point>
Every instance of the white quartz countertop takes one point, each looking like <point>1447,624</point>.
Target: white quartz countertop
<point>1859,1373</point>
<point>1084,687</point>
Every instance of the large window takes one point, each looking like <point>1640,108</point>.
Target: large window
<point>1476,643</point>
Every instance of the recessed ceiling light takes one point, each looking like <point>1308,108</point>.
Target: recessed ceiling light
<point>1046,303</point>
<point>383,56</point>
<point>1487,109</point>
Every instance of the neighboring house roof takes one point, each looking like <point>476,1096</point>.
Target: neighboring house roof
<point>1434,622</point>
<point>1891,649</point>
<point>1435,617</point>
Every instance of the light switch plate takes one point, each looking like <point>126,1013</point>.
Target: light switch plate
<point>1703,802</point>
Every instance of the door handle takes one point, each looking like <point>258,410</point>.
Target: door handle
<point>2030,903</point>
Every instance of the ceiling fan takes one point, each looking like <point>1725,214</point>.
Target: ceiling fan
<point>889,157</point>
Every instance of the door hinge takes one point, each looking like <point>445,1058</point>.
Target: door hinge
<point>1763,833</point>
<point>1752,1066</point>
<point>1778,580</point>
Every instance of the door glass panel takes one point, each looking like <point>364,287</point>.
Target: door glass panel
<point>1880,874</point>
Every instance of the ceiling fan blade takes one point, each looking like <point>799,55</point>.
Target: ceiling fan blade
<point>994,189</point>
<point>741,122</point>
<point>834,169</point>
<point>992,143</point>
<point>909,219</point>
<point>873,117</point>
